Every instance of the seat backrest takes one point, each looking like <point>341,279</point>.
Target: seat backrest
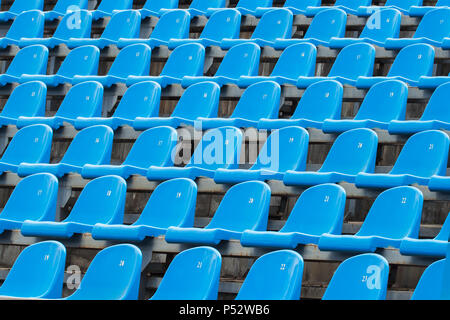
<point>74,24</point>
<point>253,4</point>
<point>353,4</point>
<point>123,24</point>
<point>27,100</point>
<point>431,282</point>
<point>444,233</point>
<point>385,101</point>
<point>161,141</point>
<point>298,60</point>
<point>38,272</point>
<point>204,5</point>
<point>354,61</point>
<point>193,274</point>
<point>29,60</point>
<point>156,5</point>
<point>382,24</point>
<point>80,61</point>
<point>132,60</point>
<point>402,207</point>
<point>172,25</point>
<point>140,100</point>
<point>172,204</point>
<point>240,60</point>
<point>245,206</point>
<point>29,24</point>
<point>31,144</point>
<point>419,55</point>
<point>19,6</point>
<point>437,105</point>
<point>285,149</point>
<point>443,3</point>
<point>114,274</point>
<point>274,276</point>
<point>41,192</point>
<point>435,25</point>
<point>223,24</point>
<point>186,60</point>
<point>362,277</point>
<point>64,5</point>
<point>219,148</point>
<point>101,201</point>
<point>404,4</point>
<point>327,24</point>
<point>353,151</point>
<point>92,145</point>
<point>110,5</point>
<point>83,100</point>
<point>320,101</point>
<point>275,24</point>
<point>198,100</point>
<point>302,4</point>
<point>320,209</point>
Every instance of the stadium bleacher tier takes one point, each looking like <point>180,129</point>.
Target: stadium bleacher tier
<point>178,144</point>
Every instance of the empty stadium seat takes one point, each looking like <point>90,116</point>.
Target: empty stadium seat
<point>275,24</point>
<point>101,201</point>
<point>349,6</point>
<point>418,11</point>
<point>132,60</point>
<point>319,210</point>
<point>431,282</point>
<point>19,6</point>
<point>354,61</point>
<point>90,146</point>
<point>198,100</point>
<point>26,100</point>
<point>193,274</point>
<point>141,99</point>
<point>384,102</point>
<point>402,5</point>
<point>285,71</point>
<point>37,273</point>
<point>362,277</point>
<point>247,7</point>
<point>353,151</point>
<point>172,25</point>
<point>171,204</point>
<point>424,154</point>
<point>245,206</point>
<point>62,7</point>
<point>82,100</point>
<point>265,95</point>
<point>154,7</point>
<point>29,24</point>
<point>185,60</point>
<point>160,140</point>
<point>274,276</point>
<point>107,7</point>
<point>114,274</point>
<point>219,148</point>
<point>81,61</point>
<point>285,149</point>
<point>200,7</point>
<point>320,101</point>
<point>295,6</point>
<point>400,206</point>
<point>241,60</point>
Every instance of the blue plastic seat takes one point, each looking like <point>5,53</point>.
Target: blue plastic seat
<point>245,206</point>
<point>29,24</point>
<point>325,26</point>
<point>114,274</point>
<point>241,60</point>
<point>219,148</point>
<point>285,149</point>
<point>172,203</point>
<point>274,276</point>
<point>275,24</point>
<point>62,7</point>
<point>90,146</point>
<point>401,5</point>
<point>319,210</point>
<point>172,25</point>
<point>285,71</point>
<point>82,100</point>
<point>362,277</point>
<point>153,8</point>
<point>193,274</point>
<point>349,6</point>
<point>185,60</point>
<point>384,102</point>
<point>424,154</point>
<point>124,24</point>
<point>141,99</point>
<point>107,7</point>
<point>198,100</point>
<point>224,24</point>
<point>37,273</point>
<point>353,62</point>
<point>73,25</point>
<point>353,151</point>
<point>431,282</point>
<point>80,61</point>
<point>295,6</point>
<point>31,145</point>
<point>266,95</point>
<point>19,6</point>
<point>394,216</point>
<point>200,7</point>
<point>132,60</point>
<point>435,116</point>
<point>382,26</point>
<point>246,7</point>
<point>101,201</point>
<point>419,11</point>
<point>320,101</point>
<point>161,141</point>
<point>429,82</point>
<point>26,100</point>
